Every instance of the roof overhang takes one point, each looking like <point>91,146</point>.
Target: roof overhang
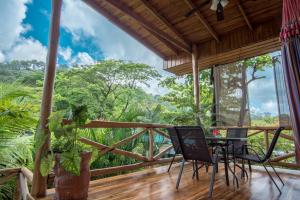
<point>250,28</point>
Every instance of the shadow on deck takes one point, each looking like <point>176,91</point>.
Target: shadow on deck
<point>156,183</point>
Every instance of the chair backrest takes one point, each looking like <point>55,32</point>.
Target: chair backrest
<point>193,143</point>
<point>237,132</point>
<point>273,143</point>
<point>174,139</point>
<point>238,145</point>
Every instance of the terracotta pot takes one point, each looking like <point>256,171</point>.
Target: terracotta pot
<point>69,186</point>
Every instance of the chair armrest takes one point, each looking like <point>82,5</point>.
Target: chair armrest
<point>250,146</point>
<point>255,152</point>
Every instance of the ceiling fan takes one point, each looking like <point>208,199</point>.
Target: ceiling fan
<point>216,5</point>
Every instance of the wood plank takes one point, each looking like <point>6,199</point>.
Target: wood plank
<point>160,154</point>
<point>203,20</point>
<point>125,9</point>
<point>162,133</point>
<point>23,186</point>
<point>157,184</point>
<point>104,149</point>
<point>39,184</point>
<point>110,170</point>
<point>124,141</point>
<point>283,157</point>
<point>244,15</point>
<point>28,174</point>
<point>112,124</point>
<point>165,21</point>
<point>196,83</point>
<point>10,170</point>
<point>151,145</point>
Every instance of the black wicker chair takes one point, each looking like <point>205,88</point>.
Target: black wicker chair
<point>193,146</point>
<point>175,143</point>
<point>264,159</point>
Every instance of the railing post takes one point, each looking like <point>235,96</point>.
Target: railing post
<point>266,134</point>
<point>151,144</point>
<point>39,184</point>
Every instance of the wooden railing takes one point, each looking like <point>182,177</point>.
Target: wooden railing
<point>142,161</point>
<point>268,131</point>
<point>24,177</point>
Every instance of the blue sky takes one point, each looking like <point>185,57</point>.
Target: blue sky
<point>85,37</point>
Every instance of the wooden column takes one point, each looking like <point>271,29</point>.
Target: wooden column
<point>39,184</point>
<point>196,82</point>
<point>266,133</point>
<point>151,144</point>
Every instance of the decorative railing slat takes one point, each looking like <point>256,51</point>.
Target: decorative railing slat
<point>104,149</point>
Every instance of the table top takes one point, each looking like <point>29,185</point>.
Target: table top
<point>212,138</point>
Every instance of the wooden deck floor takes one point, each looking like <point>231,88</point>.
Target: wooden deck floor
<point>157,184</point>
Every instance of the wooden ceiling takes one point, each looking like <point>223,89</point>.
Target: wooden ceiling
<point>250,27</point>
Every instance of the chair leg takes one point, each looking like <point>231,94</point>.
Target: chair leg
<point>206,167</point>
<point>243,167</point>
<point>180,174</point>
<point>171,162</point>
<point>249,165</point>
<point>212,179</point>
<point>272,178</point>
<point>197,172</point>
<point>275,172</point>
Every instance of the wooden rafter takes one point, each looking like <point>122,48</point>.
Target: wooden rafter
<point>165,21</point>
<point>166,42</point>
<point>125,28</point>
<point>240,6</point>
<point>203,21</point>
<point>125,9</point>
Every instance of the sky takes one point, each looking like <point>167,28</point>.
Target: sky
<point>86,36</point>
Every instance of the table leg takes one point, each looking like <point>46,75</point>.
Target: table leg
<point>226,166</point>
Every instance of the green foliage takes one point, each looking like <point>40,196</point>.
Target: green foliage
<point>68,136</point>
<point>110,90</point>
<point>181,98</point>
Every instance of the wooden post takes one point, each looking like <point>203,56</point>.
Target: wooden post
<point>266,140</point>
<point>196,82</point>
<point>151,144</point>
<point>39,184</point>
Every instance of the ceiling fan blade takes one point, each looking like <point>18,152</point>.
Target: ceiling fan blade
<point>188,14</point>
<point>214,4</point>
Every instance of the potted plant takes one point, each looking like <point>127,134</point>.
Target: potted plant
<point>68,157</point>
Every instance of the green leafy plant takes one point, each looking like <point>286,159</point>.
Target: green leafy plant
<point>66,141</point>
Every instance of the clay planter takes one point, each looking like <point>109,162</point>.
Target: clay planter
<point>69,186</point>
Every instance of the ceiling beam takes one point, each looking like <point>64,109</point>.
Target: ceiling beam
<point>125,28</point>
<point>165,21</point>
<point>166,42</point>
<point>128,11</point>
<point>244,15</point>
<point>203,21</point>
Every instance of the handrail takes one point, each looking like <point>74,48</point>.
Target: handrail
<point>270,128</point>
<point>24,176</point>
<point>113,124</point>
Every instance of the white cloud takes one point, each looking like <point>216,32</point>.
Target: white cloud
<point>65,53</point>
<point>12,13</point>
<point>83,58</point>
<point>270,106</point>
<point>2,57</point>
<point>27,49</point>
<point>81,20</point>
